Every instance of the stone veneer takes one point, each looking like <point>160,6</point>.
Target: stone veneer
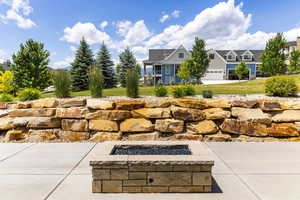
<point>97,120</point>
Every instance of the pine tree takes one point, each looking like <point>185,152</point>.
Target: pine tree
<point>104,62</point>
<point>127,62</point>
<point>30,66</point>
<point>81,67</point>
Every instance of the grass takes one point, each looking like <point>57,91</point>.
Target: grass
<point>248,87</point>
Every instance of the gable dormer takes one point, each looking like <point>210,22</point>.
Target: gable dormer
<point>231,56</point>
<point>247,56</point>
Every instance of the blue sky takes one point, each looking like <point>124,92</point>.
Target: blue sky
<point>143,24</point>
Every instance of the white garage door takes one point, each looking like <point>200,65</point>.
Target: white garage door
<point>214,74</point>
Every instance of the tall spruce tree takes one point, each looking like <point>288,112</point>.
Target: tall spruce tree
<point>104,62</point>
<point>81,66</point>
<point>127,62</point>
<point>30,66</point>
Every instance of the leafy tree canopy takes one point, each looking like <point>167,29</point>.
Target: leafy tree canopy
<point>241,70</point>
<point>294,59</point>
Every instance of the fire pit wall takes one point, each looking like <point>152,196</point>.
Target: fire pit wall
<point>80,119</point>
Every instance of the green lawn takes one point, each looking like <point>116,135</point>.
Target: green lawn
<point>248,87</point>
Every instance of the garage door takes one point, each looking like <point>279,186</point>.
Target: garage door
<point>212,74</point>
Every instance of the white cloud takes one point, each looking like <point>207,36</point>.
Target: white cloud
<point>176,13</point>
<point>63,63</point>
<point>2,52</point>
<point>18,12</point>
<point>123,27</point>
<point>165,17</point>
<point>73,49</point>
<point>103,24</point>
<point>86,30</point>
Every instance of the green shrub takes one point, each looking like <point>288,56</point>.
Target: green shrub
<point>189,90</point>
<point>4,97</point>
<point>160,91</point>
<point>132,84</point>
<point>29,94</point>
<point>62,84</point>
<point>207,94</point>
<point>178,91</point>
<point>96,82</point>
<point>281,87</point>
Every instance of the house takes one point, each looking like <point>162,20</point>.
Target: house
<point>292,45</point>
<point>166,63</point>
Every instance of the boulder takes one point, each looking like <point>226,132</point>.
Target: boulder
<point>202,127</point>
<point>169,125</point>
<point>38,112</point>
<point>187,137</point>
<point>43,135</point>
<point>251,115</point>
<point>44,122</point>
<point>6,123</point>
<point>283,130</point>
<point>80,125</point>
<point>157,103</point>
<point>136,125</point>
<point>189,103</point>
<point>287,116</point>
<point>151,113</point>
<point>72,102</point>
<point>219,137</point>
<point>103,125</point>
<point>143,136</point>
<point>216,113</point>
<point>244,138</point>
<point>114,115</point>
<point>20,105</point>
<point>76,112</point>
<point>218,103</point>
<point>99,104</point>
<point>241,127</point>
<point>106,136</point>
<point>270,105</point>
<point>14,135</point>
<point>187,114</point>
<point>129,105</point>
<point>3,105</point>
<point>44,103</point>
<point>245,104</point>
<point>290,105</point>
<point>4,112</point>
<point>74,136</point>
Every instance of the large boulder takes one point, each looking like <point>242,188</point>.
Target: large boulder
<point>219,137</point>
<point>106,136</point>
<point>14,135</point>
<point>270,105</point>
<point>129,105</point>
<point>39,112</point>
<point>20,105</point>
<point>6,123</point>
<point>290,105</point>
<point>187,114</point>
<point>44,103</point>
<point>44,122</point>
<point>169,125</point>
<point>74,136</point>
<point>115,115</point>
<point>189,103</point>
<point>241,127</point>
<point>245,104</point>
<point>187,136</point>
<point>103,125</point>
<point>99,104</point>
<point>80,125</point>
<point>251,115</point>
<point>202,127</point>
<point>44,135</point>
<point>283,130</point>
<point>287,116</point>
<point>136,125</point>
<point>218,103</point>
<point>3,105</point>
<point>157,103</point>
<point>143,136</point>
<point>76,112</point>
<point>151,113</point>
<point>216,113</point>
<point>72,102</point>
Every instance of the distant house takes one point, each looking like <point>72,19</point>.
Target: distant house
<point>166,63</point>
<point>292,45</point>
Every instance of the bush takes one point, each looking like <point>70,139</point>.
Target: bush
<point>281,87</point>
<point>160,91</point>
<point>178,91</point>
<point>96,82</point>
<point>132,84</point>
<point>4,97</point>
<point>62,84</point>
<point>207,94</point>
<point>6,82</point>
<point>189,90</point>
<point>29,94</point>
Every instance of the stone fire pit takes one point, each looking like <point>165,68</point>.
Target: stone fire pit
<point>149,167</point>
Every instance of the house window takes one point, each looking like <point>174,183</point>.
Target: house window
<point>246,57</point>
<point>230,57</point>
<point>211,56</point>
<point>181,55</point>
<point>168,69</point>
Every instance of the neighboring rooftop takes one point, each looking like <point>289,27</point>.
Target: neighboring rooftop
<point>256,54</point>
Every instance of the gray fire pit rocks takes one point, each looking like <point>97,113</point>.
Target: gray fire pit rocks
<point>150,167</point>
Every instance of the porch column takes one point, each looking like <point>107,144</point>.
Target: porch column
<point>154,69</point>
<point>145,81</point>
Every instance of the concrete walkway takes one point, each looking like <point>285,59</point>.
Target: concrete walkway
<point>242,171</point>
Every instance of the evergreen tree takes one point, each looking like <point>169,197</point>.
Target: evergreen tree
<point>81,66</point>
<point>273,58</point>
<point>127,62</point>
<point>30,66</point>
<point>104,62</point>
<point>201,60</point>
<point>294,59</point>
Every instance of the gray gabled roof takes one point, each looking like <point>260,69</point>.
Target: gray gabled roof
<point>256,54</point>
<point>156,55</point>
<point>291,44</point>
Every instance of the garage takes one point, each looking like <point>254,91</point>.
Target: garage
<point>214,74</point>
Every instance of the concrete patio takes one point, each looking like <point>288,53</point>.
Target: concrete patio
<point>258,171</point>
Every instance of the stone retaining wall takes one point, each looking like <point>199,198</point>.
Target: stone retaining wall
<point>80,119</point>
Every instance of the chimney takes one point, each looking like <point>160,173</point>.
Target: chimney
<point>298,43</point>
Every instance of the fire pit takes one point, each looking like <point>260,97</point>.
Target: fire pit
<point>151,167</point>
